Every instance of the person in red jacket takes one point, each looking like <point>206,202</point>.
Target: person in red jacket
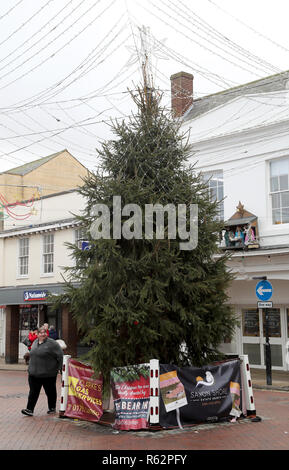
<point>32,337</point>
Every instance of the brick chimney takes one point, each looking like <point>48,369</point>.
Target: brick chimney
<point>181,92</point>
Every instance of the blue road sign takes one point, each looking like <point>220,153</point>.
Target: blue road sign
<point>85,246</point>
<point>264,290</point>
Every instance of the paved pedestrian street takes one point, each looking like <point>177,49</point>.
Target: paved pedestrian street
<point>50,432</point>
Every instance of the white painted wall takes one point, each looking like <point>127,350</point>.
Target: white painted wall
<point>56,208</point>
<point>244,160</point>
<point>47,209</point>
<point>35,275</point>
<point>241,141</point>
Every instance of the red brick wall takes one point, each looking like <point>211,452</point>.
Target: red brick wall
<point>181,92</point>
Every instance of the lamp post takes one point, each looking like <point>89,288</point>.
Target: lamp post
<point>268,351</point>
<point>267,344</point>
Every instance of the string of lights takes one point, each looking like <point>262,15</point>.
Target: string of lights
<point>63,110</point>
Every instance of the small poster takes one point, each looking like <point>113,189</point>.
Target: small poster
<point>84,399</point>
<point>235,395</point>
<point>131,394</point>
<point>172,391</point>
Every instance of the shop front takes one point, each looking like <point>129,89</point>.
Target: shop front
<point>33,315</point>
<point>258,324</point>
<point>255,323</point>
<point>24,309</point>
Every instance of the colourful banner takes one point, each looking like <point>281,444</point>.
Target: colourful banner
<point>192,395</point>
<point>131,394</point>
<point>84,393</point>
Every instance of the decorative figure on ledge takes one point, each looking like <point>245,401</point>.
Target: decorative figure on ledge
<point>249,235</point>
<point>239,236</point>
<point>240,231</point>
<point>228,238</point>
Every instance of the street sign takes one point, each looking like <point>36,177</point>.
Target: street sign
<point>85,246</point>
<point>264,290</point>
<point>265,304</point>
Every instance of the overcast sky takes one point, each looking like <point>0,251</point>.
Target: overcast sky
<point>66,65</point>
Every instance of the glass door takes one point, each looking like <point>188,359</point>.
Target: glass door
<point>28,320</point>
<point>251,332</point>
<point>256,324</point>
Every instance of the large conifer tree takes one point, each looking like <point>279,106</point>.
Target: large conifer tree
<point>140,299</point>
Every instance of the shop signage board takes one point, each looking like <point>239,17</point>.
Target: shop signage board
<point>30,295</point>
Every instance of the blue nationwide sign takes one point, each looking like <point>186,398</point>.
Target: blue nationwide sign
<point>30,295</point>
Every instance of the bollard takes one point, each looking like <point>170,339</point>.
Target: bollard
<point>247,383</point>
<point>154,391</point>
<point>64,386</point>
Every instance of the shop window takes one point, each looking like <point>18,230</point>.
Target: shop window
<point>250,320</point>
<point>23,258</point>
<point>48,253</point>
<point>273,322</point>
<point>28,320</point>
<point>279,190</point>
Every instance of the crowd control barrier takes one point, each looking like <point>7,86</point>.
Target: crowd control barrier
<point>165,382</point>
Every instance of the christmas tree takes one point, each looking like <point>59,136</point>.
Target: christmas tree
<point>142,296</point>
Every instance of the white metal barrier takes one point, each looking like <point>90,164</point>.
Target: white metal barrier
<point>154,391</point>
<point>64,384</point>
<point>248,407</point>
<point>247,385</point>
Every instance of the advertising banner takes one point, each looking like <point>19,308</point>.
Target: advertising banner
<point>131,394</point>
<point>192,395</point>
<point>84,399</point>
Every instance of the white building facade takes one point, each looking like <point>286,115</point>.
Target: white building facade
<point>32,260</point>
<point>240,143</point>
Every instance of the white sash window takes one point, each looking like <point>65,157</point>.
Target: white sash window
<point>279,186</point>
<point>23,258</point>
